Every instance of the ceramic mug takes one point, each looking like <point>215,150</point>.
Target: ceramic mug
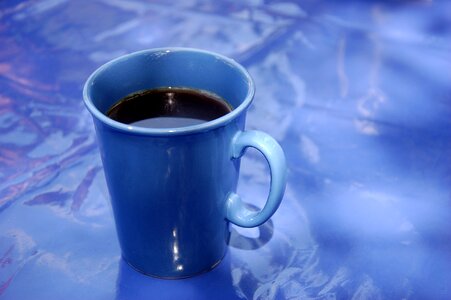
<point>173,190</point>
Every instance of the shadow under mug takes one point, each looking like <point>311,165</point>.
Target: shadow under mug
<point>173,190</point>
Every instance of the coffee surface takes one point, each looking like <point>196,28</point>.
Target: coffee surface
<point>168,108</point>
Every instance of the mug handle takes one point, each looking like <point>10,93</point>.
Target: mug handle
<point>237,213</point>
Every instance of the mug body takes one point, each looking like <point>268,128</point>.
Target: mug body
<point>168,186</point>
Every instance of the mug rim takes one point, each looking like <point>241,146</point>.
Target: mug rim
<point>221,121</point>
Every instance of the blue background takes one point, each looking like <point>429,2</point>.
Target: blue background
<point>357,93</point>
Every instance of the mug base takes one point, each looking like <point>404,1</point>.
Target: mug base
<point>174,277</point>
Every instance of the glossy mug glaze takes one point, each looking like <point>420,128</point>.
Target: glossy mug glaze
<point>173,189</point>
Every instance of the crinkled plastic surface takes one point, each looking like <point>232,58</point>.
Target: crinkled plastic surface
<point>357,93</point>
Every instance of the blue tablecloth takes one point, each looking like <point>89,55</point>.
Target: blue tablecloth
<point>357,93</point>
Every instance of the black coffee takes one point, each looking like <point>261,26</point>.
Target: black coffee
<point>168,107</point>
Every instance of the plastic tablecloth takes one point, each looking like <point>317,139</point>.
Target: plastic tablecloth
<point>357,93</point>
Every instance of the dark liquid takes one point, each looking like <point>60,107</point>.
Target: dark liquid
<point>168,108</point>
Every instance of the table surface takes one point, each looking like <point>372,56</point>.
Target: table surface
<point>357,93</point>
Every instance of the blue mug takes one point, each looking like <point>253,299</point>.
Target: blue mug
<point>173,190</point>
